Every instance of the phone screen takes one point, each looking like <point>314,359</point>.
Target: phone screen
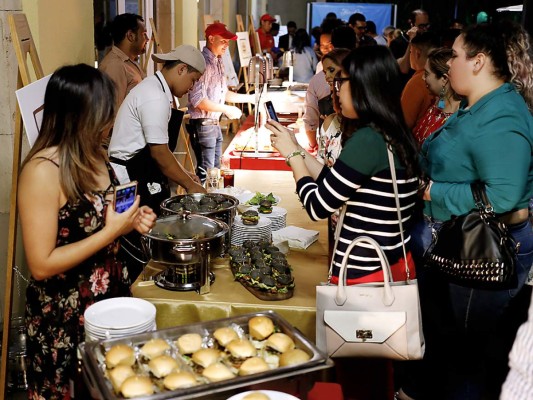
<point>270,110</point>
<point>125,196</point>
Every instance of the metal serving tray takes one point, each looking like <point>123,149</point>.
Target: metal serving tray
<point>93,354</point>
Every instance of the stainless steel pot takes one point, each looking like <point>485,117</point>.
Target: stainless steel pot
<point>185,243</point>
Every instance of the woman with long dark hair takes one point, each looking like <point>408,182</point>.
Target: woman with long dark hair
<point>69,226</point>
<point>304,58</point>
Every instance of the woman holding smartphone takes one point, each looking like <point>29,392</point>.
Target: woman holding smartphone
<point>69,227</point>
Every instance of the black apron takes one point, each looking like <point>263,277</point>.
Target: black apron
<point>153,186</point>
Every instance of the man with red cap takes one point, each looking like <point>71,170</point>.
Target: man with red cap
<point>266,40</point>
<point>207,101</point>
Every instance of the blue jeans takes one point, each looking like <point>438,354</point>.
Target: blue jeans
<point>210,138</point>
<point>468,332</point>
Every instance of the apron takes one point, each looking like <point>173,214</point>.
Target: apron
<point>153,186</point>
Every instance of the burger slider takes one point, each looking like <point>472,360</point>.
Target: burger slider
<point>265,207</point>
<point>205,357</point>
<point>189,343</point>
<point>120,354</point>
<point>260,327</point>
<point>154,348</point>
<point>162,366</point>
<point>256,396</point>
<point>179,380</point>
<point>225,335</point>
<point>136,386</point>
<point>217,372</point>
<point>293,357</point>
<point>118,375</point>
<point>279,342</point>
<point>250,217</point>
<point>253,365</point>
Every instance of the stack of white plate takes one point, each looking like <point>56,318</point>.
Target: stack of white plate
<point>118,317</point>
<point>241,232</point>
<point>278,216</point>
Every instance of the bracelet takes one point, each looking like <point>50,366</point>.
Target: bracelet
<point>293,154</point>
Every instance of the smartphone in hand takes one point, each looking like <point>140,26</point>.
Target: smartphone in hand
<point>271,112</point>
<point>125,196</point>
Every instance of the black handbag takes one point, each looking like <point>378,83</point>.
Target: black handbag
<point>474,250</point>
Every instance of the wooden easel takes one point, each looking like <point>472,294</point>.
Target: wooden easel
<point>208,20</point>
<point>243,70</point>
<point>154,45</point>
<point>24,45</point>
<point>253,35</point>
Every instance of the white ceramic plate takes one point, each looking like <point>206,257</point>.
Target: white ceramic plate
<point>120,313</point>
<point>272,394</point>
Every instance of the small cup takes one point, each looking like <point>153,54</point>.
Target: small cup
<point>229,177</point>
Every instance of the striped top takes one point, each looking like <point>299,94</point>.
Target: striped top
<point>361,179</point>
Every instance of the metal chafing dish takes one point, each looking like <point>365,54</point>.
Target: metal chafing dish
<point>184,243</point>
<point>94,369</point>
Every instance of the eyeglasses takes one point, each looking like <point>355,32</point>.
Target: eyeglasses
<point>423,26</point>
<point>337,83</point>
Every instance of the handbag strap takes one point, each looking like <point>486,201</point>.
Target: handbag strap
<point>398,209</point>
<point>480,198</point>
<point>337,235</point>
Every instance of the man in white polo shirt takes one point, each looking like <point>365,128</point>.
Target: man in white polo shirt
<point>147,127</point>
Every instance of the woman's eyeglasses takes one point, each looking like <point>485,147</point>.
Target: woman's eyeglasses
<point>337,83</point>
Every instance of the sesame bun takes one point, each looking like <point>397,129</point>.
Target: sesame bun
<point>179,380</point>
<point>205,357</point>
<point>280,342</point>
<point>136,386</point>
<point>241,348</point>
<point>225,335</point>
<point>120,354</point>
<point>154,348</point>
<point>260,327</point>
<point>217,372</point>
<point>119,374</point>
<point>293,357</point>
<point>256,396</point>
<point>162,366</point>
<point>253,365</point>
<point>189,343</point>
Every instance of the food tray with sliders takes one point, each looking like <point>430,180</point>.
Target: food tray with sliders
<point>198,360</point>
<point>262,269</point>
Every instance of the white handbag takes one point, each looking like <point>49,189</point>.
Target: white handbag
<point>381,319</point>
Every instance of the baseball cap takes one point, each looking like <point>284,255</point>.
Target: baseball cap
<point>186,53</point>
<point>268,17</point>
<point>218,28</point>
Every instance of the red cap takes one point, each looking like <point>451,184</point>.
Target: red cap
<point>268,17</point>
<point>218,28</point>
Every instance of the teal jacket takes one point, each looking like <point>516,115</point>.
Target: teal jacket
<point>491,142</point>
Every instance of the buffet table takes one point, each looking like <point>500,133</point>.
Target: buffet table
<point>229,298</point>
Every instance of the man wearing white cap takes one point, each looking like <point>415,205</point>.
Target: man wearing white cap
<point>146,128</point>
<point>207,101</point>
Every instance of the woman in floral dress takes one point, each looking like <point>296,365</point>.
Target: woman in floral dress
<point>70,229</point>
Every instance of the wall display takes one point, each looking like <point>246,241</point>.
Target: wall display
<point>243,47</point>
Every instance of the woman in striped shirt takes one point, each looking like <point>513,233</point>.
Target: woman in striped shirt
<point>369,89</point>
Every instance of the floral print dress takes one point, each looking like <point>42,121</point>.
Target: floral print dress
<point>55,306</point>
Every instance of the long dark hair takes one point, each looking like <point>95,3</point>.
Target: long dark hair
<point>376,89</point>
<point>301,40</point>
<point>79,104</point>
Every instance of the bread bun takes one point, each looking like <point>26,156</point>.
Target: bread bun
<point>136,386</point>
<point>260,327</point>
<point>119,374</point>
<point>217,372</point>
<point>205,357</point>
<point>256,396</point>
<point>293,357</point>
<point>225,335</point>
<point>189,343</point>
<point>253,365</point>
<point>241,348</point>
<point>280,342</point>
<point>162,366</point>
<point>154,348</point>
<point>179,380</point>
<point>120,354</point>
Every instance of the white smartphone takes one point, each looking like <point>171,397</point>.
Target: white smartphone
<point>125,196</point>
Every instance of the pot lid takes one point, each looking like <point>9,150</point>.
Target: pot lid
<point>186,226</point>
